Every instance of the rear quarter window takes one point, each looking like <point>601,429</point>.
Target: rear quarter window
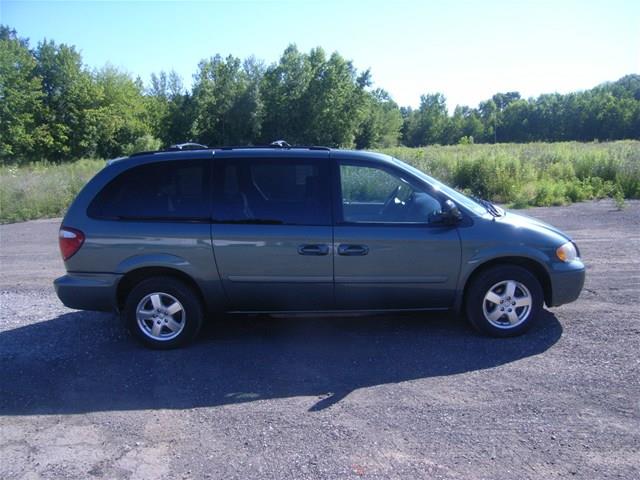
<point>176,190</point>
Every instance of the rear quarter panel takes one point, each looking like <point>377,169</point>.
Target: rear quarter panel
<point>115,246</point>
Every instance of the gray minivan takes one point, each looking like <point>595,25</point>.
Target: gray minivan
<point>167,238</point>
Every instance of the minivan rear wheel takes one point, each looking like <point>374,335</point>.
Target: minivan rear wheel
<point>163,313</point>
<point>504,301</point>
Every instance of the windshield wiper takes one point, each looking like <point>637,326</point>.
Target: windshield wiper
<point>491,208</point>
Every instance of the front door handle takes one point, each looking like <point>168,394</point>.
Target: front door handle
<point>352,250</point>
<point>313,249</point>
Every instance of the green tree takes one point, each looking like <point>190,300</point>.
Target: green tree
<point>312,99</point>
<point>334,101</point>
<point>473,127</point>
<point>247,110</point>
<point>382,122</point>
<point>515,125</point>
<point>121,116</point>
<point>170,109</point>
<point>157,105</point>
<point>22,133</point>
<point>226,101</point>
<point>284,87</point>
<point>502,100</point>
<point>489,117</point>
<point>428,124</point>
<point>52,107</point>
<point>69,101</point>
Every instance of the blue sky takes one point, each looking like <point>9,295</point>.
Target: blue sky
<point>466,50</point>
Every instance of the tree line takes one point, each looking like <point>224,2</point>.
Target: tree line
<point>55,108</point>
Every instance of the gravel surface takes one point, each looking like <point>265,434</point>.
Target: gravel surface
<point>409,396</point>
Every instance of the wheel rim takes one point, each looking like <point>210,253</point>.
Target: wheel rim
<point>507,304</point>
<point>160,316</point>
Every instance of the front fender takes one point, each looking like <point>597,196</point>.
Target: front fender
<point>513,254</point>
<point>481,257</point>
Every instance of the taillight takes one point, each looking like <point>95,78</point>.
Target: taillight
<point>70,241</point>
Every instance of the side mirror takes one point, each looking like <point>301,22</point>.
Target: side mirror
<point>449,215</point>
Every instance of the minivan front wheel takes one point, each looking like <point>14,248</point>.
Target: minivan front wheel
<point>504,301</point>
<point>163,313</point>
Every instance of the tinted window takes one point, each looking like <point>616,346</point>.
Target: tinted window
<point>166,190</point>
<point>374,195</point>
<point>277,191</point>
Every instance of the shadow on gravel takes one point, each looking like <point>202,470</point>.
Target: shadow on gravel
<point>85,362</point>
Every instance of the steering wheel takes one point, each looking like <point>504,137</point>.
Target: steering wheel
<point>388,202</point>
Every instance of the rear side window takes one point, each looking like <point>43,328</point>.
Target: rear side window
<point>272,191</point>
<point>177,190</point>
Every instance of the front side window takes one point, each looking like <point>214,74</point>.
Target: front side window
<point>272,191</point>
<point>373,195</point>
<point>175,190</point>
<point>460,198</point>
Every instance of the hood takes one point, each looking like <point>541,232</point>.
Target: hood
<point>519,220</point>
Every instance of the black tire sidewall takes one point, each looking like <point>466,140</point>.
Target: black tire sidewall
<point>176,288</point>
<point>485,280</point>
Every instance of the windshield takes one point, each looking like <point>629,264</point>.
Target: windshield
<point>450,192</point>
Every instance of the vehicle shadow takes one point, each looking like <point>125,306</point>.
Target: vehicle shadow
<point>85,362</point>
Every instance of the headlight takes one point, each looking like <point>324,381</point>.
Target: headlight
<point>567,252</point>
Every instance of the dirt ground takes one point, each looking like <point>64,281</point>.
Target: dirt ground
<point>408,396</point>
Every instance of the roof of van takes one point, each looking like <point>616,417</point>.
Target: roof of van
<point>253,152</point>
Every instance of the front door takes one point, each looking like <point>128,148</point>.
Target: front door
<point>272,232</point>
<point>390,253</point>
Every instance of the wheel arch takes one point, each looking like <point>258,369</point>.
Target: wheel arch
<point>135,276</point>
<point>533,266</point>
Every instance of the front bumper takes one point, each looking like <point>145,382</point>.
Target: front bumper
<point>88,291</point>
<point>566,283</point>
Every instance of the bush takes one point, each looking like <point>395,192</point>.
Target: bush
<point>146,143</point>
<point>517,174</point>
<point>42,189</point>
<point>534,173</point>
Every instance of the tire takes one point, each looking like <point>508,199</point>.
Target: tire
<point>163,313</point>
<point>493,309</point>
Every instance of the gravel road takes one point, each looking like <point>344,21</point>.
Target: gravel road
<point>409,396</point>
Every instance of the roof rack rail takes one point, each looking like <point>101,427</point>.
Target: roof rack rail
<point>315,147</point>
<point>280,144</point>
<point>148,152</point>
<point>187,146</point>
<point>277,144</point>
<point>178,147</point>
<point>174,148</point>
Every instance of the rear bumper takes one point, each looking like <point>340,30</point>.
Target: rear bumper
<point>567,284</point>
<point>88,291</point>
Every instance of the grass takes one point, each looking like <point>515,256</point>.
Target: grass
<point>540,174</point>
<point>519,175</point>
<point>42,190</point>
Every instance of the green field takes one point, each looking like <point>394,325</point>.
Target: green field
<point>518,175</point>
<point>539,174</point>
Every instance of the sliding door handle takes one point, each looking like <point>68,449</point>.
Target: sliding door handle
<point>352,250</point>
<point>313,249</point>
